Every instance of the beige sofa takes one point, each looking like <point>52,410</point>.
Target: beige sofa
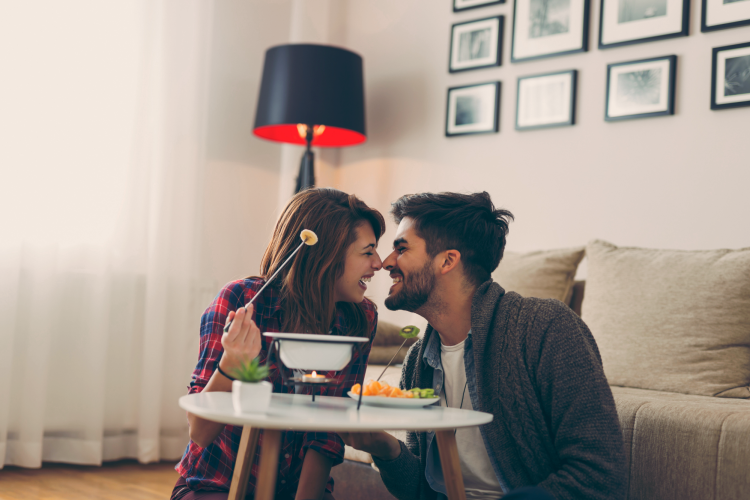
<point>673,328</point>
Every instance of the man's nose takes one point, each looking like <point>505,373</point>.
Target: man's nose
<point>390,262</point>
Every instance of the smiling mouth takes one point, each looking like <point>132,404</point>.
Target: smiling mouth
<point>364,280</point>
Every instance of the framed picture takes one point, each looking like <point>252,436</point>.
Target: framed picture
<point>624,22</point>
<point>730,77</point>
<point>641,89</point>
<point>476,44</point>
<point>473,109</point>
<point>461,5</point>
<point>547,100</point>
<point>546,28</point>
<point>723,14</point>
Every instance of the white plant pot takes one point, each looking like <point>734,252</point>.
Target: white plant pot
<point>251,397</point>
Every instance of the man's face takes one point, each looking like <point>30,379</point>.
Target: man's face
<point>411,269</point>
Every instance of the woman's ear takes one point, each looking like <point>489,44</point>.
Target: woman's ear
<point>449,260</point>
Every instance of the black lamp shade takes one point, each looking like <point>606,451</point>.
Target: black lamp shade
<point>311,85</point>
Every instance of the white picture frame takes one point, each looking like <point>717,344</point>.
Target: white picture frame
<point>723,14</point>
<point>548,28</point>
<point>547,100</point>
<point>625,22</point>
<point>730,80</point>
<point>462,5</point>
<point>473,109</point>
<point>476,44</point>
<point>641,89</point>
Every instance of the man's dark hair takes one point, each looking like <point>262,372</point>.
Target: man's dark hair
<point>468,223</point>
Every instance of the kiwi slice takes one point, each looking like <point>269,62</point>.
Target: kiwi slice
<point>409,332</point>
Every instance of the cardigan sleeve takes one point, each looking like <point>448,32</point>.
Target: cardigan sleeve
<point>582,415</point>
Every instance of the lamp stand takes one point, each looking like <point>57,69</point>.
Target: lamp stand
<point>306,177</point>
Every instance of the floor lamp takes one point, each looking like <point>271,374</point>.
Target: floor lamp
<point>311,95</point>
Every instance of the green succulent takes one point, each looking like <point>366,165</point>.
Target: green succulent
<point>251,371</point>
<point>409,332</point>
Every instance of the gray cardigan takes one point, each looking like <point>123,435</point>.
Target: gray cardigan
<point>540,374</point>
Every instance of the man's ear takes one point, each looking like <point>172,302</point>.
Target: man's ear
<point>449,260</point>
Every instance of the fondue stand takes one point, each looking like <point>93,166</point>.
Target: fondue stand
<point>307,352</point>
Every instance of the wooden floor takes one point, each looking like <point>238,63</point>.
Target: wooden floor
<point>125,480</point>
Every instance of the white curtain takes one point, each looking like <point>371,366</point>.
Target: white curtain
<point>102,128</point>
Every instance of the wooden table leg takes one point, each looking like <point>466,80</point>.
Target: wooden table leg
<point>245,456</point>
<point>454,481</point>
<point>269,465</point>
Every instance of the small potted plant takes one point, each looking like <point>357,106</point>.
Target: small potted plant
<point>250,392</point>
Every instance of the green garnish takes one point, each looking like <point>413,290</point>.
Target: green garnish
<point>423,393</point>
<point>409,332</point>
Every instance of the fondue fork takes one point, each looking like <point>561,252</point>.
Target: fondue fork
<point>308,238</point>
<point>407,332</point>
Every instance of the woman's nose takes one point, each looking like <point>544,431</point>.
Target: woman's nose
<point>378,264</point>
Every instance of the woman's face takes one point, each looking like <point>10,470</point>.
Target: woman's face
<point>362,260</point>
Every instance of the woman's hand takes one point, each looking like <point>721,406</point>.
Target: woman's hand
<point>242,342</point>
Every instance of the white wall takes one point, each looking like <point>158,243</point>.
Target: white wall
<point>243,173</point>
<point>678,181</point>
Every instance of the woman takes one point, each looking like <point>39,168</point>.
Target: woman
<point>320,291</point>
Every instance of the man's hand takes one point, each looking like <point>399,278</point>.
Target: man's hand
<point>378,444</point>
<point>242,342</point>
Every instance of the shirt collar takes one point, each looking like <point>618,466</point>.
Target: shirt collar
<point>431,354</point>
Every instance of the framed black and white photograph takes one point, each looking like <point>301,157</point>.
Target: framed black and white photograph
<point>625,22</point>
<point>730,80</point>
<point>548,100</point>
<point>473,109</point>
<point>723,14</point>
<point>641,89</point>
<point>461,5</point>
<point>546,28</point>
<point>476,44</point>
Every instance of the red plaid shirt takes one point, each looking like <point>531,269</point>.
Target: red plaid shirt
<point>211,468</point>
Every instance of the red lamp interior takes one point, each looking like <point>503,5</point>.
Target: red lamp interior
<point>331,137</point>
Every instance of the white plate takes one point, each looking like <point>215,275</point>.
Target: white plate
<point>317,338</point>
<point>393,402</point>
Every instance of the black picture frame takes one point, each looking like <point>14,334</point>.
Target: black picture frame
<point>684,28</point>
<point>571,114</point>
<point>554,53</point>
<point>715,27</point>
<point>715,66</point>
<point>484,3</point>
<point>492,125</point>
<point>496,44</point>
<point>671,86</point>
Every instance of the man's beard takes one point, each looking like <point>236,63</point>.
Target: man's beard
<point>415,292</point>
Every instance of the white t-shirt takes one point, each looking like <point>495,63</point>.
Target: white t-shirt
<point>480,480</point>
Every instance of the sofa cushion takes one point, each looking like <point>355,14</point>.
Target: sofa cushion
<point>546,274</point>
<point>671,320</point>
<point>682,446</point>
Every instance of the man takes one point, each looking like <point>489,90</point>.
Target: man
<point>532,363</point>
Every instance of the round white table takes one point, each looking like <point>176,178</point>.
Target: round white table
<point>298,412</point>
